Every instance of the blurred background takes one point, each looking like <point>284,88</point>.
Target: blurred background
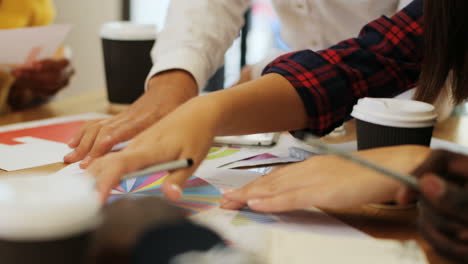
<point>263,35</point>
<point>85,44</point>
<point>84,39</point>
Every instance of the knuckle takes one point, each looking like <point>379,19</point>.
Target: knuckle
<point>109,126</point>
<point>105,130</point>
<point>105,143</point>
<point>84,146</point>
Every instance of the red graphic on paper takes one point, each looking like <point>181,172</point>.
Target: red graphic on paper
<point>62,132</point>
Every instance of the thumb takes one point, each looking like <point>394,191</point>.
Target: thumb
<point>175,182</point>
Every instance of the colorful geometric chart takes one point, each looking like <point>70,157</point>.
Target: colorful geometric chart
<point>198,195</point>
<point>221,152</point>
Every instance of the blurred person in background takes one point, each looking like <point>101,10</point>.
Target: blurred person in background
<point>35,81</point>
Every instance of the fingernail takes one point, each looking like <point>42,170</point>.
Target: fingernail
<point>70,141</point>
<point>433,186</point>
<point>253,202</point>
<point>226,191</point>
<point>70,155</point>
<point>86,161</point>
<point>176,188</point>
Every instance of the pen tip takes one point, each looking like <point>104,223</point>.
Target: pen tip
<point>190,162</point>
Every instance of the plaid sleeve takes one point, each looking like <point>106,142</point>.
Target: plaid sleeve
<point>383,61</point>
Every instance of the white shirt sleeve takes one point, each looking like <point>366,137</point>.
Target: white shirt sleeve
<point>403,4</point>
<point>258,67</point>
<point>196,36</point>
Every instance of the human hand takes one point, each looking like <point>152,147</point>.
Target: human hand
<point>38,81</point>
<point>166,92</point>
<point>327,182</point>
<point>443,218</point>
<point>178,136</point>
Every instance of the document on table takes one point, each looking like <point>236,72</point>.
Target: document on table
<point>31,152</point>
<point>33,43</point>
<point>299,247</point>
<point>38,143</point>
<point>325,240</point>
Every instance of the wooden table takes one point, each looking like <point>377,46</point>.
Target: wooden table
<point>381,223</point>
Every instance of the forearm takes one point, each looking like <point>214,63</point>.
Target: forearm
<point>376,64</point>
<point>264,105</point>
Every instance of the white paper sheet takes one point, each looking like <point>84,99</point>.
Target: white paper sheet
<point>34,151</point>
<point>296,154</point>
<point>17,45</point>
<point>70,170</point>
<point>302,247</point>
<point>325,243</point>
<point>266,162</point>
<point>227,178</point>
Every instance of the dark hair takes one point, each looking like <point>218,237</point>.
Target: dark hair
<point>445,50</point>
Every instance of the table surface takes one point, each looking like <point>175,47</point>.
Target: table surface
<point>378,222</point>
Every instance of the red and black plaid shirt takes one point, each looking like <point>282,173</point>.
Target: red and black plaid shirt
<point>383,62</point>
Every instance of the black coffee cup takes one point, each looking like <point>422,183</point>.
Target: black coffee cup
<point>127,59</point>
<point>71,250</point>
<point>382,122</point>
<point>48,220</point>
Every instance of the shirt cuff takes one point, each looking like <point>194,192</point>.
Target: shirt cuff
<point>185,60</point>
<point>315,109</point>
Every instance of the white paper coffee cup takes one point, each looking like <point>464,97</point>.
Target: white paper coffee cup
<point>48,219</point>
<point>387,122</point>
